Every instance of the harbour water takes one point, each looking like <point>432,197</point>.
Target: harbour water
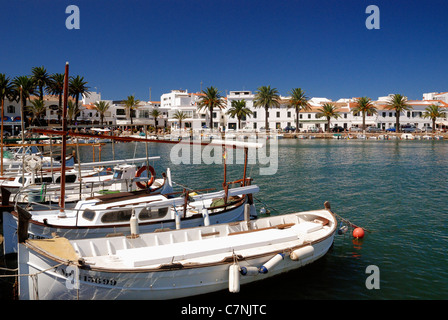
<point>395,189</point>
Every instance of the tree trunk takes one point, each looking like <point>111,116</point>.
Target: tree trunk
<point>363,122</point>
<point>297,119</point>
<point>60,108</point>
<point>397,121</point>
<point>211,118</point>
<point>266,122</point>
<point>76,104</point>
<point>328,124</point>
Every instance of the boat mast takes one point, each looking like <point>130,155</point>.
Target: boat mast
<point>64,145</point>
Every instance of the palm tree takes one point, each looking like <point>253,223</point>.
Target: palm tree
<point>364,105</point>
<point>155,113</point>
<point>131,104</point>
<point>239,110</point>
<point>433,112</point>
<point>212,99</point>
<point>180,115</point>
<point>398,103</point>
<point>78,86</point>
<point>267,98</point>
<point>6,91</point>
<point>41,79</point>
<point>55,87</point>
<point>101,107</point>
<point>25,87</point>
<point>298,101</point>
<point>72,111</point>
<point>37,110</point>
<point>328,110</point>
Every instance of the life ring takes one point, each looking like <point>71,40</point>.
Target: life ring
<point>32,163</point>
<point>144,185</point>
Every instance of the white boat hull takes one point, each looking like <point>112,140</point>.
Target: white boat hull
<point>42,231</point>
<point>178,279</point>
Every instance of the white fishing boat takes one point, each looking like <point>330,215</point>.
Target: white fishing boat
<point>172,264</point>
<point>407,136</point>
<point>37,184</point>
<point>14,158</point>
<point>111,214</point>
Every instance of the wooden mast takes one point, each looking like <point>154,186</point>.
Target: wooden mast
<point>64,144</point>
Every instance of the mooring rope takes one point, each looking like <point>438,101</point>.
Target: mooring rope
<point>349,223</point>
<point>26,275</point>
<point>266,204</point>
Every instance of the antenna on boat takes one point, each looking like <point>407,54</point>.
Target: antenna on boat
<point>64,145</point>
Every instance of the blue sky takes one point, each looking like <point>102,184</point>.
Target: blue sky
<point>322,46</point>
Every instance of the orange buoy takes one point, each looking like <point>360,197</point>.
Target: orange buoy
<point>358,233</point>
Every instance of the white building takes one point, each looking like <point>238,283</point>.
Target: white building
<point>187,102</point>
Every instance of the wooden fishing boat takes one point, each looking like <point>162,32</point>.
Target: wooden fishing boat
<point>172,264</point>
<point>106,215</point>
<point>81,181</point>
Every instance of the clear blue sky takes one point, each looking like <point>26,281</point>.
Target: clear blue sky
<point>126,47</point>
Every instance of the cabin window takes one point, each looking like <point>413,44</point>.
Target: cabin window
<point>68,178</point>
<point>117,174</point>
<point>43,180</point>
<point>88,215</point>
<point>152,213</point>
<point>117,216</point>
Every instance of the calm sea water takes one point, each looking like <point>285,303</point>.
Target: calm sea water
<point>395,189</point>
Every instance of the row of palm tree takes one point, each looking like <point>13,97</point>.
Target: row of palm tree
<point>21,88</point>
<point>397,102</point>
<point>267,97</point>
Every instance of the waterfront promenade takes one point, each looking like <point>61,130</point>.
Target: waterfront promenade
<point>355,135</point>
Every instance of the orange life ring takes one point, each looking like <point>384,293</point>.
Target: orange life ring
<point>144,185</point>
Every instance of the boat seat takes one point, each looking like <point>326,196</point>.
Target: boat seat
<point>165,254</point>
<point>307,227</point>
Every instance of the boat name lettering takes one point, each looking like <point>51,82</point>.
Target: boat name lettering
<point>34,236</point>
<point>99,280</point>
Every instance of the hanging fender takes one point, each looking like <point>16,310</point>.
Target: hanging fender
<point>144,185</point>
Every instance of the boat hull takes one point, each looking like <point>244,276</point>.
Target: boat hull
<point>175,277</point>
<point>158,285</point>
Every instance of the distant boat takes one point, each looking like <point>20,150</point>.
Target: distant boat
<point>407,136</point>
<point>337,136</point>
<point>176,263</point>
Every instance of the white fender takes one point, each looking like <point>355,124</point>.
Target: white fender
<point>177,219</point>
<point>249,271</point>
<point>271,263</point>
<point>206,217</point>
<point>234,278</point>
<point>134,223</point>
<point>302,253</point>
